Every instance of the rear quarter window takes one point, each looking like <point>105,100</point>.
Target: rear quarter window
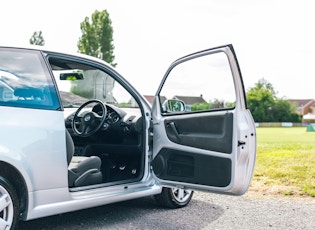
<point>25,80</point>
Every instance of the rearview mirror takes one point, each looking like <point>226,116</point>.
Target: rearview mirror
<point>71,76</point>
<point>173,105</point>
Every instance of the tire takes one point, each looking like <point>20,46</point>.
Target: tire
<point>9,205</point>
<point>174,197</point>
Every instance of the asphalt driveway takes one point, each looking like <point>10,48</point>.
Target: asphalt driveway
<point>206,211</point>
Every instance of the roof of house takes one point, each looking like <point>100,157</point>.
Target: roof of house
<point>191,99</point>
<point>301,102</point>
<point>150,98</point>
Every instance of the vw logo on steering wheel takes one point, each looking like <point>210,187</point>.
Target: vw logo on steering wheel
<point>87,118</point>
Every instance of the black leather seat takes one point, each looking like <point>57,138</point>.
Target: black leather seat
<point>82,171</point>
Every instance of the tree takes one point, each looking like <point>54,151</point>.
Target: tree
<point>213,104</point>
<point>266,107</point>
<point>97,41</point>
<point>200,106</point>
<point>281,111</point>
<point>97,37</point>
<point>260,100</point>
<point>37,39</point>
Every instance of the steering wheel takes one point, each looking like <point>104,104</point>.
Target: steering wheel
<point>88,122</point>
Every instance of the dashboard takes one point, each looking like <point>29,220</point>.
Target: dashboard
<point>118,122</point>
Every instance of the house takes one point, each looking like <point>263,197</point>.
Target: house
<point>306,108</point>
<point>190,100</point>
<point>303,106</point>
<point>150,98</point>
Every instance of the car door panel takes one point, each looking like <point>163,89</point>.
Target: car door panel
<point>206,132</point>
<point>208,149</point>
<point>183,166</point>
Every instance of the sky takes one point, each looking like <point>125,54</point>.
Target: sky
<point>273,39</point>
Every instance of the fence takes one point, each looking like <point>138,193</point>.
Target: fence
<point>280,124</point>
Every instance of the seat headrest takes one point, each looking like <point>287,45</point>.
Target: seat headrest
<point>28,92</point>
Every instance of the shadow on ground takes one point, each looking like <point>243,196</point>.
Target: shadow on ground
<point>141,213</point>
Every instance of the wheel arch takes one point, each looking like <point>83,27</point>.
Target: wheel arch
<point>12,174</point>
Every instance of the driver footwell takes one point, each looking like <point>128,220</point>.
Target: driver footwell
<point>115,169</point>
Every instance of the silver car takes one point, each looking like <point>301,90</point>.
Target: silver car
<point>75,134</point>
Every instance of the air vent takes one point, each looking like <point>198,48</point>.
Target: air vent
<point>130,119</point>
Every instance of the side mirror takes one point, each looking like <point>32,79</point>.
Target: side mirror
<point>173,105</point>
<point>71,76</point>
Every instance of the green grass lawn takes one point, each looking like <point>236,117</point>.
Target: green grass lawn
<point>285,161</point>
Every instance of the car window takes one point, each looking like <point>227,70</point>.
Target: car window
<point>25,80</point>
<point>203,83</point>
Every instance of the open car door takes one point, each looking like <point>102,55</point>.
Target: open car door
<point>204,136</point>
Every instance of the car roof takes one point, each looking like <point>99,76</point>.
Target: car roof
<point>48,49</point>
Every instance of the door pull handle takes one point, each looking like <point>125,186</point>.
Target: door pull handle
<point>173,127</point>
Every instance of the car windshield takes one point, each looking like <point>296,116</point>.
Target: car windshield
<point>78,83</point>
